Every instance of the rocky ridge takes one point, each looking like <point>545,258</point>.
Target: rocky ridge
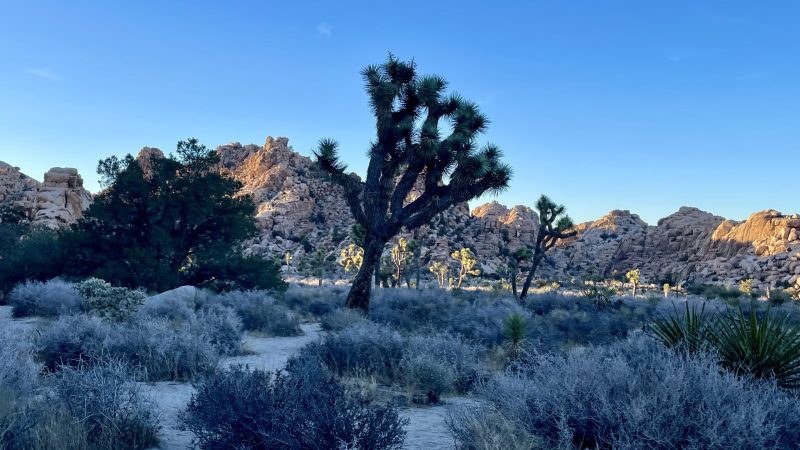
<point>299,212</point>
<point>60,199</point>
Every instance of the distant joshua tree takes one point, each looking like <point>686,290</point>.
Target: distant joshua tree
<point>633,277</point>
<point>553,225</point>
<point>411,151</point>
<point>400,254</point>
<point>746,287</point>
<point>351,258</point>
<point>440,270</point>
<point>466,265</point>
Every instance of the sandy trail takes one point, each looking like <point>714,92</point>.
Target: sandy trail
<point>426,427</point>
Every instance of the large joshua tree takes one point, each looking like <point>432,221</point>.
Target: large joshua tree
<point>425,139</point>
<point>554,224</point>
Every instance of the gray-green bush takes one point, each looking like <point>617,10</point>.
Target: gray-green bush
<point>638,394</point>
<point>110,407</point>
<point>259,313</point>
<point>155,347</point>
<point>239,408</point>
<point>44,298</point>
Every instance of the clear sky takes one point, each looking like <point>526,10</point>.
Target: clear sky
<point>640,105</point>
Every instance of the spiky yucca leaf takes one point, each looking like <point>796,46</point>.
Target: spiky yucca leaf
<point>515,330</point>
<point>689,332</point>
<point>762,347</point>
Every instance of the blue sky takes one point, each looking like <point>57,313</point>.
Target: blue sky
<point>639,105</point>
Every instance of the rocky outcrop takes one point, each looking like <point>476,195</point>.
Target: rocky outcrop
<point>16,188</point>
<point>59,200</point>
<point>299,212</point>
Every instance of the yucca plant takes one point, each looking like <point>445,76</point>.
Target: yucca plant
<point>762,347</point>
<point>515,330</point>
<point>689,332</point>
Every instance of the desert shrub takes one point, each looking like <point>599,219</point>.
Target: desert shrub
<point>561,321</point>
<point>46,299</point>
<point>487,429</point>
<point>104,300</point>
<point>110,407</point>
<point>221,327</point>
<point>715,291</point>
<point>159,350</point>
<point>426,377</point>
<point>239,408</point>
<point>39,423</point>
<point>72,340</point>
<point>173,308</point>
<point>779,296</point>
<point>18,371</point>
<point>409,310</point>
<point>363,349</point>
<point>318,300</point>
<point>462,357</point>
<point>259,313</point>
<point>469,314</point>
<point>162,352</point>
<point>637,394</point>
<point>483,322</point>
<point>341,319</point>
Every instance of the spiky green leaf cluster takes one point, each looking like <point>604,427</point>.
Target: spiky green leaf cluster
<point>752,344</point>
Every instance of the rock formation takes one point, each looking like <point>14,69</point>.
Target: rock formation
<point>299,211</point>
<point>60,199</point>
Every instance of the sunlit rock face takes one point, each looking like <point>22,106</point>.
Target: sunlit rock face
<point>298,211</point>
<point>59,200</point>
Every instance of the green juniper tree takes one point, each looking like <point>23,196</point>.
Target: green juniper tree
<point>553,225</point>
<point>410,150</point>
<point>168,221</point>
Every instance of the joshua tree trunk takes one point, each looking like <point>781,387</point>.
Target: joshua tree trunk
<point>514,280</point>
<point>538,255</point>
<point>358,297</point>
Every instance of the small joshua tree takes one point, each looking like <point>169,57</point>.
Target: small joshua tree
<point>426,140</point>
<point>320,262</point>
<point>746,287</point>
<point>633,277</point>
<point>351,258</point>
<point>466,261</point>
<point>441,271</point>
<point>400,254</point>
<point>553,225</point>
